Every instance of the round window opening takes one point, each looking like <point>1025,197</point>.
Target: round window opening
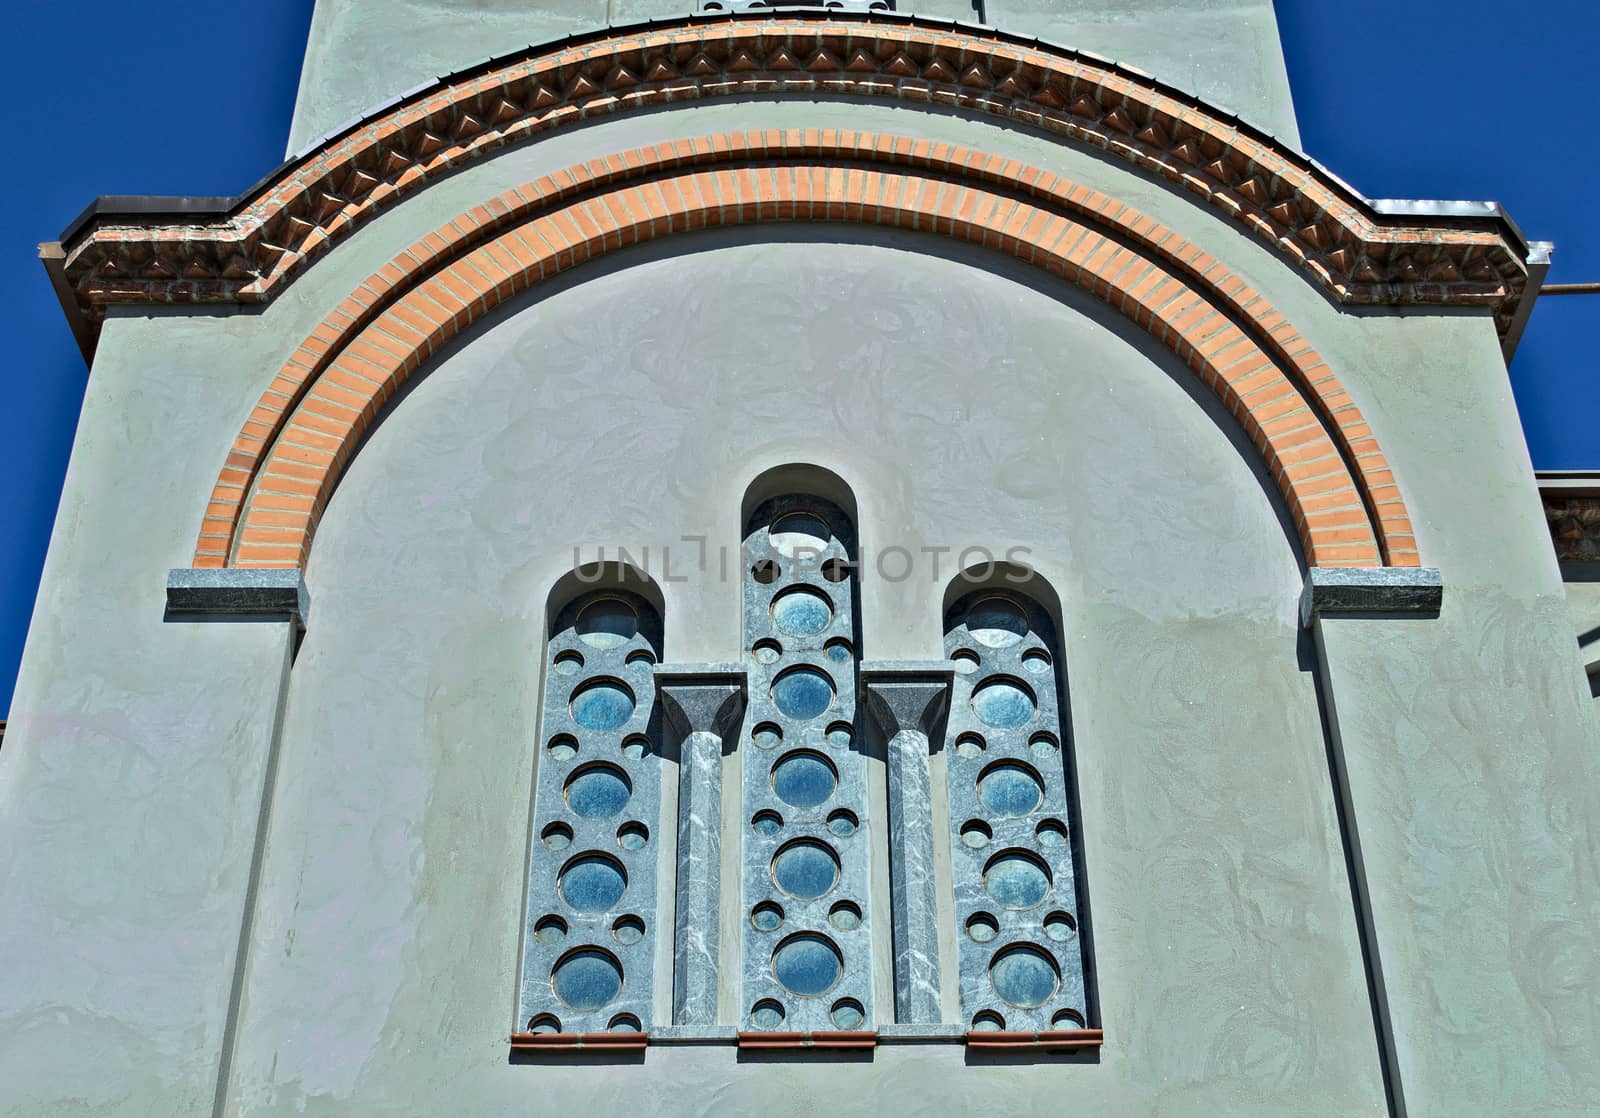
<point>1010,789</point>
<point>997,623</point>
<point>1016,880</point>
<point>607,623</point>
<point>796,532</point>
<point>587,979</point>
<point>602,705</point>
<point>803,693</point>
<point>592,883</point>
<point>805,869</point>
<point>804,779</point>
<point>1024,976</point>
<point>801,611</point>
<point>1003,703</point>
<point>807,965</point>
<point>598,791</point>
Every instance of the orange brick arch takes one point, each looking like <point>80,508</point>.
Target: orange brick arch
<point>287,460</point>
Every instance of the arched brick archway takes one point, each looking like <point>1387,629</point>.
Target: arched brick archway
<point>288,458</point>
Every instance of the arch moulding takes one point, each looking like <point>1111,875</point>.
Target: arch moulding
<point>287,460</point>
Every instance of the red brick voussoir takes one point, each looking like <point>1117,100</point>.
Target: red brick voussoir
<point>287,459</point>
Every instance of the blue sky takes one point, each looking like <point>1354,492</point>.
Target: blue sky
<point>1401,98</point>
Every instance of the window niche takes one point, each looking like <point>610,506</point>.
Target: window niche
<point>1023,961</point>
<point>806,956</point>
<point>590,941</point>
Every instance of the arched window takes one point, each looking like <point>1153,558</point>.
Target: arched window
<point>806,958</point>
<point>1013,826</point>
<point>590,940</point>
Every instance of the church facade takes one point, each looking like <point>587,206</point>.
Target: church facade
<point>802,560</point>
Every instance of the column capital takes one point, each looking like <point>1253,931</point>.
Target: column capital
<point>702,698</point>
<point>907,694</point>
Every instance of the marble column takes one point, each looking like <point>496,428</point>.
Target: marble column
<point>703,704</point>
<point>908,702</point>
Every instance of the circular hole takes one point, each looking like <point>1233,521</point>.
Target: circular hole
<point>766,1014</point>
<point>805,869</point>
<point>843,823</point>
<point>550,931</point>
<point>988,1022</point>
<point>802,693</point>
<point>767,916</point>
<point>607,623</point>
<point>1051,832</point>
<point>623,1023</point>
<point>765,572</point>
<point>1067,1019</point>
<point>1016,879</point>
<point>1003,703</point>
<point>592,882</point>
<point>1024,975</point>
<point>598,791</point>
<point>766,823</point>
<point>568,663</point>
<point>801,611</point>
<point>1060,926</point>
<point>635,747</point>
<point>838,650</point>
<point>587,979</point>
<point>1010,789</point>
<point>794,532</point>
<point>562,747</point>
<point>1036,660</point>
<point>976,834</point>
<point>807,965</point>
<point>982,927</point>
<point>766,651</point>
<point>1044,745</point>
<point>966,660</point>
<point>969,746</point>
<point>633,836</point>
<point>835,570</point>
<point>847,1014</point>
<point>767,735</point>
<point>846,916</point>
<point>804,779</point>
<point>557,836</point>
<point>840,735</point>
<point>602,705</point>
<point>643,658</point>
<point>997,622</point>
<point>628,930</point>
<point>545,1023</point>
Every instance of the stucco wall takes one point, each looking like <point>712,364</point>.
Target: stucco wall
<point>967,400</point>
<point>361,53</point>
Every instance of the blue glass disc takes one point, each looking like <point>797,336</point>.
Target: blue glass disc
<point>996,623</point>
<point>794,532</point>
<point>766,1015</point>
<point>602,705</point>
<point>587,980</point>
<point>807,965</point>
<point>592,883</point>
<point>803,779</point>
<point>801,612</point>
<point>1024,976</point>
<point>599,792</point>
<point>805,870</point>
<point>1002,704</point>
<point>1015,880</point>
<point>1010,790</point>
<point>803,693</point>
<point>606,623</point>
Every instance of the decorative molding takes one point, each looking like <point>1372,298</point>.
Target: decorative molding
<point>1314,442</point>
<point>1052,1040</point>
<point>1357,253</point>
<point>1574,527</point>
